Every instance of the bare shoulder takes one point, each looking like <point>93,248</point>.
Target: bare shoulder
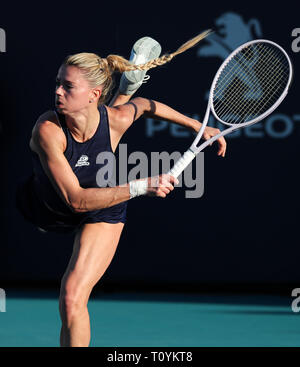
<point>122,116</point>
<point>116,115</point>
<point>47,130</point>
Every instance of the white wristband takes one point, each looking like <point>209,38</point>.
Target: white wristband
<point>137,188</point>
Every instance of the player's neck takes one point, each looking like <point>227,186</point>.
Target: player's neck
<point>83,124</point>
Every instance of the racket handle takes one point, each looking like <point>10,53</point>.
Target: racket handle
<point>182,163</point>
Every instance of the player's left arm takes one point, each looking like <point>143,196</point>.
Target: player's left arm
<point>119,99</point>
<point>124,115</point>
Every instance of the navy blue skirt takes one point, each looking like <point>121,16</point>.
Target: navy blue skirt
<point>37,213</point>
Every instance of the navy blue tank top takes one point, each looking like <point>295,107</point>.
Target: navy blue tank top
<point>82,159</point>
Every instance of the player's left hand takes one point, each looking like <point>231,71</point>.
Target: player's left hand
<point>209,132</point>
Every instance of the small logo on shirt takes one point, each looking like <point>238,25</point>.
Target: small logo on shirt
<point>83,161</point>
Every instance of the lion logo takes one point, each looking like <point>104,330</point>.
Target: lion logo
<point>232,32</point>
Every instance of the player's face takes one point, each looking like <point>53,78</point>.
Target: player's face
<point>72,92</point>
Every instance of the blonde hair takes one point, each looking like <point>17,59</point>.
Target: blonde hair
<point>99,71</point>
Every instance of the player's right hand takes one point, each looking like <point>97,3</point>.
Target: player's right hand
<point>161,185</point>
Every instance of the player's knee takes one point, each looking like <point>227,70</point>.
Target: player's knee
<point>73,300</point>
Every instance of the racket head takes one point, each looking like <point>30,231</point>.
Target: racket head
<point>251,83</point>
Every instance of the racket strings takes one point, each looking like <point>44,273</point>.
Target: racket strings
<point>238,90</point>
<point>276,87</point>
<point>271,84</point>
<point>235,72</point>
<point>261,105</point>
<point>236,62</point>
<point>241,89</point>
<point>255,87</point>
<point>246,89</point>
<point>232,71</point>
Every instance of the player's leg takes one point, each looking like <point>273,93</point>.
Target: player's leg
<point>144,50</point>
<point>94,247</point>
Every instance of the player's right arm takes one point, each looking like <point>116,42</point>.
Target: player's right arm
<point>48,141</point>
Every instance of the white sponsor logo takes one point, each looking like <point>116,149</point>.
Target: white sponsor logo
<point>82,161</point>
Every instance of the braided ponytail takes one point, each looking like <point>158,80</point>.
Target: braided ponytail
<point>120,64</point>
<point>99,71</point>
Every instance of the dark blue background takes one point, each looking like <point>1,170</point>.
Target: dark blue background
<point>243,230</point>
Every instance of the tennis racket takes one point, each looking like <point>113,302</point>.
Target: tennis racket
<point>249,85</point>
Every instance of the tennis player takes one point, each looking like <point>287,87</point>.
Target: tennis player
<point>62,194</point>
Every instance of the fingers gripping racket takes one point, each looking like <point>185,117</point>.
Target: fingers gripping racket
<point>249,85</point>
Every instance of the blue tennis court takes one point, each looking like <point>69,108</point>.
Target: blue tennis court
<point>133,319</point>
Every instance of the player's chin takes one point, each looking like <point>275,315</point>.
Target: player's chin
<point>60,108</point>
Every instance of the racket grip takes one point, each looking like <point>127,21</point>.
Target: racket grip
<point>182,163</point>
